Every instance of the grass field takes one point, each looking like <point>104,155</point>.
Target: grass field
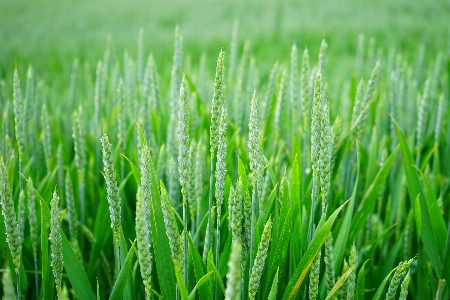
<point>241,150</point>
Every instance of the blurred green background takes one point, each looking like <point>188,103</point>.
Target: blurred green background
<point>49,34</point>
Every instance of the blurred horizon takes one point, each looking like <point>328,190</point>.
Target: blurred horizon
<point>51,34</point>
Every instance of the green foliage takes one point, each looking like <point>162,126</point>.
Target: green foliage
<point>345,151</point>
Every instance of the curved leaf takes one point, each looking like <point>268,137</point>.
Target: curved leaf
<point>121,280</point>
<point>305,264</point>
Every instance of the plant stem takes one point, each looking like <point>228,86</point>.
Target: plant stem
<point>118,259</point>
<point>217,255</point>
<point>19,292</point>
<point>185,242</point>
<point>82,214</point>
<point>252,230</point>
<point>208,228</point>
<point>36,278</point>
<point>20,171</point>
<point>313,204</point>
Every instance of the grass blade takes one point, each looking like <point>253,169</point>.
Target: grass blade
<point>73,268</point>
<point>342,238</point>
<point>121,280</point>
<point>199,284</point>
<point>164,264</point>
<point>339,283</point>
<point>75,272</point>
<point>380,289</point>
<point>204,290</point>
<point>361,282</point>
<point>280,250</point>
<point>432,231</point>
<point>274,288</point>
<point>181,285</point>
<point>305,264</point>
<point>371,195</point>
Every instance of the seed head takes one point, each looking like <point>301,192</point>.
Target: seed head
<point>56,243</point>
<point>221,163</point>
<point>183,139</point>
<point>79,144</point>
<point>175,241</point>
<point>18,113</point>
<point>143,242</point>
<point>32,220</point>
<point>314,278</point>
<point>14,225</point>
<point>217,102</point>
<point>260,260</point>
<point>233,290</point>
<point>111,188</point>
<point>401,270</point>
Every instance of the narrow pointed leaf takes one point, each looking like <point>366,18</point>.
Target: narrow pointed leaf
<point>305,264</point>
<point>121,280</point>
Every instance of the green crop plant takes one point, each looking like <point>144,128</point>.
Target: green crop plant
<point>250,158</point>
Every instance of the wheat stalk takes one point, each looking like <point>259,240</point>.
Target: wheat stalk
<point>404,287</point>
<point>268,97</point>
<point>351,280</point>
<point>56,243</point>
<point>329,263</point>
<point>32,220</point>
<point>293,87</point>
<point>234,290</point>
<point>320,148</point>
<point>14,225</point>
<point>241,74</point>
<point>322,55</point>
<point>191,193</point>
<point>113,196</point>
<point>421,116</point>
<point>175,242</point>
<point>221,172</point>
<point>216,109</point>
<point>401,270</point>
<point>198,178</point>
<point>175,83</point>
<point>80,157</point>
<point>143,242</point>
<point>278,105</point>
<point>184,161</point>
<point>255,150</point>
<point>8,284</point>
<point>47,136</point>
<point>314,278</point>
<point>72,218</point>
<point>19,121</point>
<point>260,259</point>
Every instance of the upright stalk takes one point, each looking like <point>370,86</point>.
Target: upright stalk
<point>184,162</point>
<point>185,242</point>
<point>82,217</point>
<point>19,292</point>
<point>220,180</point>
<point>36,278</point>
<point>252,236</point>
<point>208,229</point>
<point>20,172</point>
<point>216,288</point>
<point>113,197</point>
<point>118,259</point>
<point>313,204</point>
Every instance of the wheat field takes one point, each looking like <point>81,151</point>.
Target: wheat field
<point>233,151</point>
